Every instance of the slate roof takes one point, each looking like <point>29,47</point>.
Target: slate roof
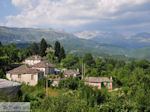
<point>71,72</point>
<point>43,64</point>
<point>23,69</point>
<point>98,79</point>
<point>34,57</point>
<point>6,83</point>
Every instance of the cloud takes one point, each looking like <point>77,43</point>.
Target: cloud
<point>74,13</point>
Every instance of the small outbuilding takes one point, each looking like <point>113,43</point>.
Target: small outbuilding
<point>99,82</point>
<point>8,89</point>
<point>71,73</point>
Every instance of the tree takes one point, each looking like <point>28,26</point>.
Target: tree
<point>59,51</point>
<point>62,54</point>
<point>70,61</point>
<point>70,83</point>
<point>43,47</point>
<point>88,59</point>
<point>57,48</point>
<point>2,74</point>
<point>50,56</point>
<point>34,48</point>
<point>0,44</point>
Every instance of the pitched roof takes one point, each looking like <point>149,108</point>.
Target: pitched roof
<point>98,79</point>
<point>71,72</point>
<point>6,83</point>
<point>34,57</point>
<point>23,69</point>
<point>43,64</point>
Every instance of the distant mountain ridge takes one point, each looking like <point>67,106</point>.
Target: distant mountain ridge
<point>98,43</point>
<point>130,41</point>
<point>22,35</point>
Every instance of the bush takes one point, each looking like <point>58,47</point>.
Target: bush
<point>70,83</point>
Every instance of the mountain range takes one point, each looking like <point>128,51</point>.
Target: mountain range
<point>97,42</point>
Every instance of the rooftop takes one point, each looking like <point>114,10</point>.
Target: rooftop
<point>34,57</point>
<point>71,72</point>
<point>43,64</point>
<point>6,83</point>
<point>98,79</point>
<point>23,69</point>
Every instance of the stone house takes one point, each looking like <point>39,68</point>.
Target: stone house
<point>45,67</point>
<point>99,82</point>
<point>25,74</point>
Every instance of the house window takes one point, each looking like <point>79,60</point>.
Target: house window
<point>32,77</point>
<point>19,75</point>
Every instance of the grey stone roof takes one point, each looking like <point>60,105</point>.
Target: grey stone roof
<point>71,72</point>
<point>23,69</point>
<point>98,79</point>
<point>6,83</point>
<point>43,64</point>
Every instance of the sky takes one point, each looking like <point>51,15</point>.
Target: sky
<point>77,15</point>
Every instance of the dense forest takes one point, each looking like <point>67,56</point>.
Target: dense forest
<point>131,81</point>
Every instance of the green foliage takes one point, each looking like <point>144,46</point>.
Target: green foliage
<point>70,61</point>
<point>131,83</point>
<point>43,47</point>
<point>70,83</point>
<point>34,48</point>
<point>57,48</point>
<point>59,51</point>
<point>51,57</point>
<point>62,54</point>
<point>88,60</point>
<point>2,74</point>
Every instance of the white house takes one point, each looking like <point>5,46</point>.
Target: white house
<point>45,67</point>
<point>33,60</point>
<point>24,74</point>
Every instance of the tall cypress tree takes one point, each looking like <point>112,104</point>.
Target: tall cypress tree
<point>62,54</point>
<point>57,48</point>
<point>0,44</point>
<point>43,47</point>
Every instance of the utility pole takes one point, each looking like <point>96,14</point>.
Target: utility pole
<point>83,70</point>
<point>46,86</point>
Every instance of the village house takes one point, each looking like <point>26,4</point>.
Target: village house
<point>45,67</point>
<point>24,74</point>
<point>99,82</point>
<point>71,73</point>
<point>33,60</point>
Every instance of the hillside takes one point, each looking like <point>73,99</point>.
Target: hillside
<point>73,44</point>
